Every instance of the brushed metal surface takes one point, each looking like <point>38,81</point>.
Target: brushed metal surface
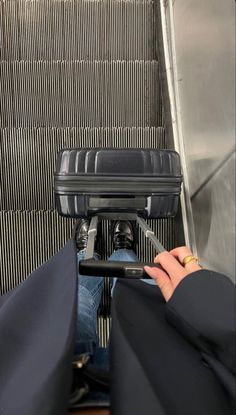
<point>72,72</point>
<point>214,216</point>
<point>29,238</point>
<point>205,53</point>
<point>79,93</point>
<point>169,85</point>
<point>28,157</point>
<point>204,34</point>
<point>77,30</point>
<point>199,46</point>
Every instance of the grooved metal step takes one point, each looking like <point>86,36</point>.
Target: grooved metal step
<point>77,30</point>
<point>28,157</point>
<point>29,238</point>
<point>79,93</point>
<point>72,73</point>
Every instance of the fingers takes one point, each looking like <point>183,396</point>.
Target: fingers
<point>155,272</point>
<point>173,270</point>
<point>170,264</point>
<point>162,279</point>
<point>180,253</point>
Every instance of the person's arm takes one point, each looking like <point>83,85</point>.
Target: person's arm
<point>202,308</point>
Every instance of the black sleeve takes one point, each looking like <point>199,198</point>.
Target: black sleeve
<point>37,336</point>
<point>202,308</point>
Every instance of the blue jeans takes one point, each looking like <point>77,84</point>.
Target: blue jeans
<point>89,297</point>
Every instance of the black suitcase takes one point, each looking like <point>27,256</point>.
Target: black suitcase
<point>93,180</point>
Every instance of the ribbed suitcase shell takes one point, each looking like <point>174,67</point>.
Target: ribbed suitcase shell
<point>88,181</point>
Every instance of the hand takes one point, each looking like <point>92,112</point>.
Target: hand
<point>173,271</point>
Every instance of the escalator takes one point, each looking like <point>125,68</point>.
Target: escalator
<point>73,73</point>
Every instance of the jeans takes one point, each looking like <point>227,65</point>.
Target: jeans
<point>89,297</point>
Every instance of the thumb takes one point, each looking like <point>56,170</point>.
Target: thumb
<point>162,280</point>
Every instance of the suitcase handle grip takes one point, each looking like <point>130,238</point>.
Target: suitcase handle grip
<point>116,269</point>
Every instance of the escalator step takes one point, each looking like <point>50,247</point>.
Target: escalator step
<point>58,30</point>
<point>79,93</point>
<point>29,238</point>
<point>72,73</point>
<point>28,157</point>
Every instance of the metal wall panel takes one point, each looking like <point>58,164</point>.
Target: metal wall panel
<point>205,52</point>
<point>214,216</point>
<point>203,58</point>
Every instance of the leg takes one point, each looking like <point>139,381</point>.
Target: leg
<point>122,255</point>
<point>124,242</point>
<point>126,255</point>
<point>89,296</point>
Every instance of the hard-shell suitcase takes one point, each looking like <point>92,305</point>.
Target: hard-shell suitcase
<point>89,181</point>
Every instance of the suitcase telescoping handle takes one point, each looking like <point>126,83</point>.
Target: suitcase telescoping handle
<point>116,269</point>
<point>119,269</point>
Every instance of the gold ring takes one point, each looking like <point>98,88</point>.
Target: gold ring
<point>188,259</point>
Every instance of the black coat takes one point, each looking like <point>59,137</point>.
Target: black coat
<point>174,358</point>
<point>156,369</point>
<point>37,328</point>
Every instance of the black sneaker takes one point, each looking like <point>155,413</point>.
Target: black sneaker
<point>123,235</point>
<point>81,234</point>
